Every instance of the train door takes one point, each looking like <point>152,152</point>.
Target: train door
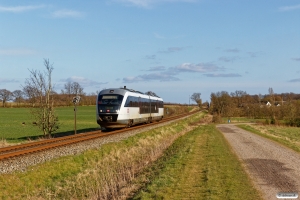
<point>140,108</point>
<point>150,111</point>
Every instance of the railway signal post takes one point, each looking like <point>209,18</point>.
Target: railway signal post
<point>76,100</point>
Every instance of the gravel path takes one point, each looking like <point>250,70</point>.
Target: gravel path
<point>272,167</point>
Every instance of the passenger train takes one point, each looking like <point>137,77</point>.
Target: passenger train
<point>122,107</point>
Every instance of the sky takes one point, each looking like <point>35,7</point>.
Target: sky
<point>172,47</point>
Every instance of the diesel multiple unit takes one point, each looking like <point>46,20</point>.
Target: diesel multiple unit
<point>122,107</point>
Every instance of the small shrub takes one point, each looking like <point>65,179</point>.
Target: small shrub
<point>293,122</point>
<point>267,122</point>
<point>217,119</point>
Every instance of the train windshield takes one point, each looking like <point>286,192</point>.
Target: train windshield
<point>110,99</point>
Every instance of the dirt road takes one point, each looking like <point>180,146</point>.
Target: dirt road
<point>272,167</point>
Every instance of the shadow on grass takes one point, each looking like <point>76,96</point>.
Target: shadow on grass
<point>54,135</point>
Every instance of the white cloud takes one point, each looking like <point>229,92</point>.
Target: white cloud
<point>150,77</point>
<point>17,52</point>
<point>3,81</point>
<point>289,8</point>
<point>150,3</point>
<point>172,50</point>
<point>170,73</point>
<point>201,68</point>
<point>67,14</point>
<point>84,82</point>
<point>18,9</point>
<point>223,75</point>
<point>228,59</point>
<point>157,68</point>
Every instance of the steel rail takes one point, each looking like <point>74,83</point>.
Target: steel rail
<point>23,149</point>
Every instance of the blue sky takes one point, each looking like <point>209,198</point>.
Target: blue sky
<point>171,47</point>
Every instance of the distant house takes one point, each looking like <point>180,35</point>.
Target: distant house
<point>267,103</point>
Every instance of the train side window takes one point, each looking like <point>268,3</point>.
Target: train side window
<point>127,103</point>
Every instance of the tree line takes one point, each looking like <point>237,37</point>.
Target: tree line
<point>27,96</point>
<point>272,107</point>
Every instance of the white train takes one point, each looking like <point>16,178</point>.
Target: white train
<point>122,107</point>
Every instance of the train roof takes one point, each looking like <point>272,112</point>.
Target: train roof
<point>123,90</point>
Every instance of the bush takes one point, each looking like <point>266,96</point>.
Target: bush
<point>294,122</point>
<point>217,119</point>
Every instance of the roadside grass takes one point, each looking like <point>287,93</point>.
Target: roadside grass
<point>287,136</point>
<point>199,165</point>
<point>241,120</point>
<point>16,124</point>
<point>105,173</point>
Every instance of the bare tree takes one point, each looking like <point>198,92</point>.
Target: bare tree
<point>18,96</point>
<point>70,90</point>
<point>239,96</point>
<point>221,104</point>
<point>30,93</point>
<point>77,89</point>
<point>272,97</point>
<point>5,95</point>
<point>196,97</point>
<point>40,90</point>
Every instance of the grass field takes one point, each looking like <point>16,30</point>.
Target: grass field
<point>12,128</point>
<point>16,124</point>
<point>287,136</point>
<point>198,164</point>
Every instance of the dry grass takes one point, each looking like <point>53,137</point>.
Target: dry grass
<point>288,136</point>
<point>113,175</point>
<point>4,143</point>
<point>207,119</point>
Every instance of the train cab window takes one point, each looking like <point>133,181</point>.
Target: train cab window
<point>110,99</point>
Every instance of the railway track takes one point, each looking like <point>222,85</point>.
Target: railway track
<point>30,148</point>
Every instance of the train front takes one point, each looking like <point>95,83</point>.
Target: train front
<point>108,108</point>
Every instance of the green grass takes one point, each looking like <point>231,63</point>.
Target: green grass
<point>50,177</point>
<point>199,165</point>
<point>287,136</point>
<point>12,129</point>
